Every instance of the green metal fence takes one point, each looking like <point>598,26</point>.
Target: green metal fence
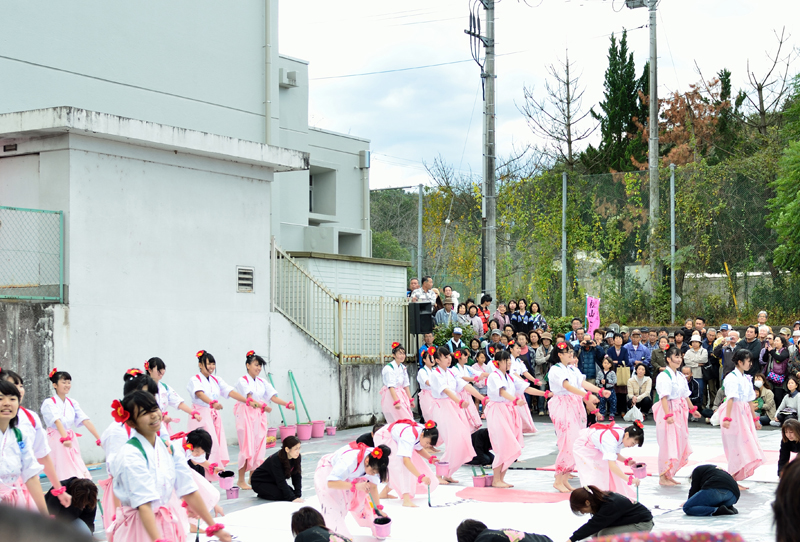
<point>31,254</point>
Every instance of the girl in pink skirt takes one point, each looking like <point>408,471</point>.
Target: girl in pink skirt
<point>740,423</point>
<point>505,426</point>
<point>147,474</point>
<point>17,461</point>
<point>62,416</point>
<point>671,414</point>
<point>567,410</point>
<point>346,479</point>
<point>396,400</point>
<point>424,377</point>
<point>410,460</point>
<point>252,423</point>
<point>31,426</point>
<point>206,390</point>
<point>481,370</point>
<point>168,399</point>
<point>521,372</point>
<point>466,391</point>
<point>597,456</point>
<point>451,424</point>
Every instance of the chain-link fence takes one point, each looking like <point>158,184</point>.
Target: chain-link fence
<point>31,254</point>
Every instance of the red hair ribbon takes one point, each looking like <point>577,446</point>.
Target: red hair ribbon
<point>638,424</point>
<point>200,353</point>
<point>133,372</point>
<point>176,436</point>
<point>54,371</point>
<point>251,353</point>
<point>146,365</point>
<point>430,424</point>
<point>118,412</point>
<point>395,345</point>
<point>377,453</point>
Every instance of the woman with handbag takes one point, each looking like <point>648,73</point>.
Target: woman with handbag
<point>619,356</point>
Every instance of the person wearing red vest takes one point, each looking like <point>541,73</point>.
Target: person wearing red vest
<point>411,444</point>
<point>597,456</point>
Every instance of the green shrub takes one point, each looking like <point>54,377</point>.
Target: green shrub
<point>444,332</point>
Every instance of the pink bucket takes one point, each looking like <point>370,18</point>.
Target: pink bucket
<point>288,431</point>
<point>331,431</point>
<point>489,480</point>
<point>304,431</point>
<point>382,530</point>
<point>232,493</point>
<point>272,434</point>
<point>640,471</point>
<point>226,479</point>
<point>442,468</point>
<point>479,481</point>
<point>318,429</point>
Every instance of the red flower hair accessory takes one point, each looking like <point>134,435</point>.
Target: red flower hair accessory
<point>562,347</point>
<point>395,345</point>
<point>200,353</point>
<point>491,350</point>
<point>188,446</point>
<point>457,354</point>
<point>118,412</point>
<point>146,365</point>
<point>251,353</point>
<point>511,343</point>
<point>377,453</point>
<point>133,372</point>
<point>432,350</point>
<point>54,371</point>
<point>430,424</point>
<point>638,424</point>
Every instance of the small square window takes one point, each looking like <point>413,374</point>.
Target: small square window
<point>245,277</point>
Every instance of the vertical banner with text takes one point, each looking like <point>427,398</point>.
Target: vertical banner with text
<point>592,314</point>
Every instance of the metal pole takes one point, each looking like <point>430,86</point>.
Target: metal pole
<point>564,244</point>
<point>655,266</point>
<point>672,241</point>
<point>489,154</point>
<point>61,257</point>
<point>419,237</point>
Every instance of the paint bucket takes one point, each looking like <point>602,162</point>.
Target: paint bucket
<point>288,431</point>
<point>272,434</point>
<point>479,481</point>
<point>232,493</point>
<point>304,431</point>
<point>226,479</point>
<point>330,430</point>
<point>489,480</point>
<point>640,471</point>
<point>442,469</point>
<point>317,429</point>
<point>383,527</point>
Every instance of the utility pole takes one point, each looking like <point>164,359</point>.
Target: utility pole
<point>489,207</point>
<point>672,242</point>
<point>652,124</point>
<point>419,237</point>
<point>563,244</point>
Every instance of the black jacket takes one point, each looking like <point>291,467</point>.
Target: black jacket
<point>367,439</point>
<point>710,477</point>
<point>786,448</point>
<point>615,511</point>
<point>317,534</point>
<point>72,513</point>
<point>490,535</point>
<point>271,472</point>
<point>755,350</point>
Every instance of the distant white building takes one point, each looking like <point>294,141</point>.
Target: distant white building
<point>174,139</point>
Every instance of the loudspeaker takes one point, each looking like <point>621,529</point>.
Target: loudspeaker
<point>420,318</point>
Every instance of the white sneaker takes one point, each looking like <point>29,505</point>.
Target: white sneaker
<point>773,423</point>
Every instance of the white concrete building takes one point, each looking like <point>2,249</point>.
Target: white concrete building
<point>175,140</point>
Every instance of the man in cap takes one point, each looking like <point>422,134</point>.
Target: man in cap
<point>725,350</point>
<point>609,339</point>
<point>652,338</point>
<point>455,342</point>
<point>494,344</point>
<point>624,331</point>
<point>446,314</point>
<point>637,353</point>
<point>793,346</point>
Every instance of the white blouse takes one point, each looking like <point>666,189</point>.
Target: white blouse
<point>395,376</point>
<point>68,412</point>
<point>458,374</point>
<point>167,398</point>
<point>139,481</point>
<point>605,441</point>
<point>497,381</point>
<point>558,373</point>
<point>424,375</point>
<point>441,380</point>
<point>407,442</point>
<point>518,367</point>
<point>214,387</point>
<point>261,390</point>
<point>739,386</point>
<point>347,467</point>
<point>30,424</point>
<point>673,385</point>
<point>16,460</point>
<point>112,440</point>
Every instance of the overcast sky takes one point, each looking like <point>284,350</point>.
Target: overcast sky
<point>413,116</point>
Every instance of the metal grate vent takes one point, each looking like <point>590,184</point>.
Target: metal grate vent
<point>245,277</point>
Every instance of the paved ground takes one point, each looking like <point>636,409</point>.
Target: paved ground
<point>754,521</point>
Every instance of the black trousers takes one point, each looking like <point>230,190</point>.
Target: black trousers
<point>269,492</point>
<point>645,405</point>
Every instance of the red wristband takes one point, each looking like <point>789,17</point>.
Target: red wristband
<point>353,485</point>
<point>248,401</point>
<point>461,402</point>
<point>213,529</point>
<point>668,416</point>
<point>726,419</point>
<point>98,442</point>
<point>396,402</point>
<point>211,404</point>
<point>595,411</point>
<point>587,396</point>
<point>693,410</point>
<point>431,459</point>
<point>419,479</point>
<point>64,439</point>
<point>290,403</point>
<point>548,394</point>
<point>630,480</point>
<point>59,491</point>
<point>195,413</point>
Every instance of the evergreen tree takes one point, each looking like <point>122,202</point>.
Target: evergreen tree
<point>620,105</point>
